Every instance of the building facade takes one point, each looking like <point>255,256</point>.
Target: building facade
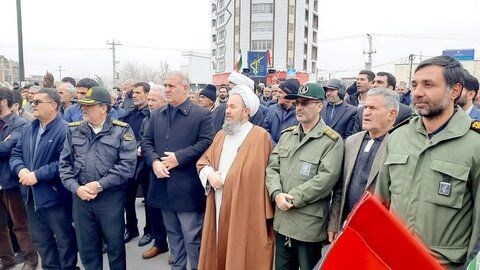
<point>288,29</point>
<point>197,66</point>
<point>9,71</point>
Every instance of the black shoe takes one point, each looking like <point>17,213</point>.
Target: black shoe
<point>145,240</point>
<point>128,236</point>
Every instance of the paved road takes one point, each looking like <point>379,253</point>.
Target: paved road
<point>134,252</point>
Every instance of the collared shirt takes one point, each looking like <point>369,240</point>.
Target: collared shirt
<point>96,130</point>
<point>442,127</point>
<point>361,170</point>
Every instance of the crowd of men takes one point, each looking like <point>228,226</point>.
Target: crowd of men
<point>239,176</point>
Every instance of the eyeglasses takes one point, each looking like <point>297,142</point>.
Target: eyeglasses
<point>37,101</point>
<point>304,103</point>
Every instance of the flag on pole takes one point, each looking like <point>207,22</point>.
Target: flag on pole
<point>239,62</point>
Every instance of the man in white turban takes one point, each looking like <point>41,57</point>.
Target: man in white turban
<point>238,208</point>
<point>236,78</point>
<point>256,118</point>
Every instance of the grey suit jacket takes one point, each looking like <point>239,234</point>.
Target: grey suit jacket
<point>352,147</point>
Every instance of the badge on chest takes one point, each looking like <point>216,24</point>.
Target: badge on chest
<point>445,187</point>
<point>305,169</point>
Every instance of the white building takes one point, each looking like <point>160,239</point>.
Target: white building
<point>197,66</point>
<point>288,28</point>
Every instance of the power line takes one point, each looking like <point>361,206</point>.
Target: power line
<point>165,48</point>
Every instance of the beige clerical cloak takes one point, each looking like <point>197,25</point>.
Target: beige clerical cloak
<point>245,237</point>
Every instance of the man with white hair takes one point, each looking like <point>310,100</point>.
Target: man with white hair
<point>364,153</point>
<point>67,93</point>
<point>230,175</point>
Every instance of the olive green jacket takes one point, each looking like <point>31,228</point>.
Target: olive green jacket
<point>432,184</point>
<point>308,170</point>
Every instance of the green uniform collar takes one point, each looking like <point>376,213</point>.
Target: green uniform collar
<point>458,125</point>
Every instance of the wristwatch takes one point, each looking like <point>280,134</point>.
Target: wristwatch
<point>99,187</point>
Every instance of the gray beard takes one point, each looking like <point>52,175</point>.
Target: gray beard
<point>231,128</point>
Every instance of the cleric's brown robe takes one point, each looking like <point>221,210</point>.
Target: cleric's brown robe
<point>246,237</point>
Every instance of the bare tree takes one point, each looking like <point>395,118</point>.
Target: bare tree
<point>141,72</point>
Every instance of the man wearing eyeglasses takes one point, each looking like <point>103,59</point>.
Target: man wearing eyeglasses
<point>302,171</point>
<point>35,161</point>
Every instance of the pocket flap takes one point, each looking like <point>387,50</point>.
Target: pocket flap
<point>455,170</point>
<point>396,159</point>
<point>110,141</point>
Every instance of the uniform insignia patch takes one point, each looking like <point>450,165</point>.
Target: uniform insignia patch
<point>89,92</point>
<point>444,188</point>
<point>75,124</point>
<point>475,126</point>
<point>119,123</point>
<point>303,90</point>
<point>330,133</point>
<point>128,136</point>
<point>305,169</point>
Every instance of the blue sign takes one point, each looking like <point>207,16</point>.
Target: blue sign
<point>257,63</point>
<point>460,54</point>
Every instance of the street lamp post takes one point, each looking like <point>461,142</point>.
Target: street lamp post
<point>21,68</point>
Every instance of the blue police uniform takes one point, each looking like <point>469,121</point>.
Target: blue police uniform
<point>108,157</point>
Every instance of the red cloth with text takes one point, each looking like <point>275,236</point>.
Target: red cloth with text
<point>373,238</point>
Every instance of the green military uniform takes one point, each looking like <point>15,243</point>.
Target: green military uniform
<point>432,184</point>
<point>307,166</point>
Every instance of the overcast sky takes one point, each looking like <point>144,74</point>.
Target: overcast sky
<point>73,33</point>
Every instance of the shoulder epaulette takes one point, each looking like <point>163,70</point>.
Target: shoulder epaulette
<point>404,122</point>
<point>119,123</point>
<point>475,126</point>
<point>288,129</point>
<point>330,133</point>
<point>75,124</point>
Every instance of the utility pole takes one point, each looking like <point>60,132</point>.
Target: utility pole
<point>368,64</point>
<point>21,66</point>
<point>60,71</point>
<point>115,62</point>
<point>411,57</point>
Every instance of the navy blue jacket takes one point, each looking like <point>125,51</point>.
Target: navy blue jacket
<point>343,120</point>
<point>74,113</point>
<point>135,119</point>
<point>274,123</point>
<point>49,190</point>
<point>188,136</point>
<point>353,99</point>
<point>9,135</point>
<point>406,98</point>
<point>108,157</point>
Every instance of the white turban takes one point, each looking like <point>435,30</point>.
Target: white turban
<point>249,98</point>
<point>240,79</point>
